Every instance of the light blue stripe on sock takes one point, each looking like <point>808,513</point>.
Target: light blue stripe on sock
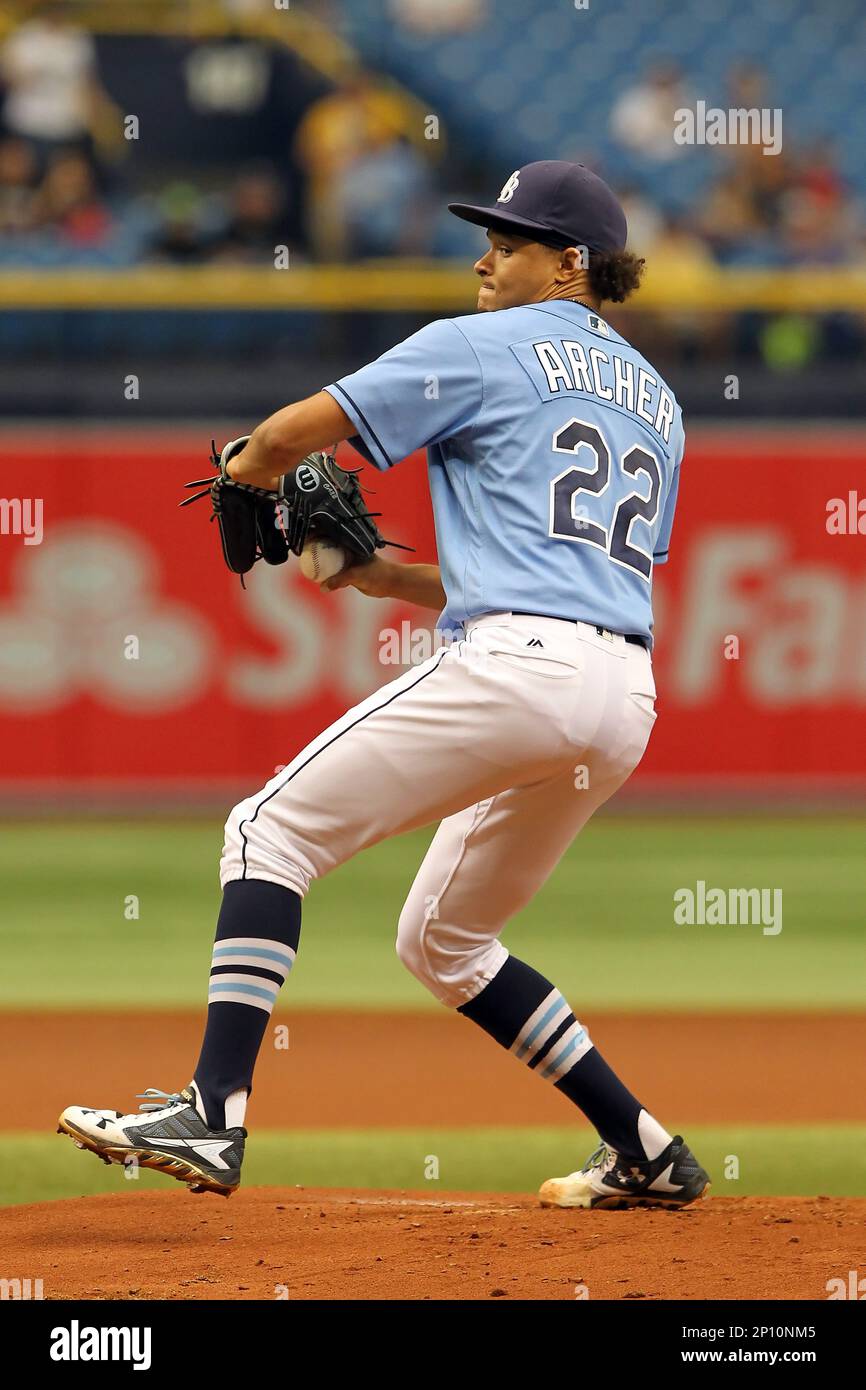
<point>542,1023</point>
<point>287,960</point>
<point>233,988</point>
<point>566,1051</point>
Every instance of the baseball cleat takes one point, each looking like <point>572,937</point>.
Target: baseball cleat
<point>674,1179</point>
<point>174,1140</point>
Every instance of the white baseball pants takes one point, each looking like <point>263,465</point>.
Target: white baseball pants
<point>512,744</point>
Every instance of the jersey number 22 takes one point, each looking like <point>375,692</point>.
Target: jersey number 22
<point>564,489</point>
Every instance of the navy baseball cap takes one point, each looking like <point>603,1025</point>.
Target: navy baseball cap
<point>557,203</point>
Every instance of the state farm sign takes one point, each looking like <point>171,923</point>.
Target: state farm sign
<point>129,655</point>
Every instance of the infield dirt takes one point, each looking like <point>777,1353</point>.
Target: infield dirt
<point>357,1070</point>
<point>363,1070</point>
<point>267,1243</point>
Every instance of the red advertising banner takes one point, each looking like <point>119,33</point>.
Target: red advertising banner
<point>131,659</point>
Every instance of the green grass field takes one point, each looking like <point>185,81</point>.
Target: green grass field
<point>603,927</point>
<point>827,1159</point>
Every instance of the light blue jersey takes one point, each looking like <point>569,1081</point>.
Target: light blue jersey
<point>553,450</point>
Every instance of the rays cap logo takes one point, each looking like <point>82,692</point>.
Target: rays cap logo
<point>557,203</point>
<point>509,188</point>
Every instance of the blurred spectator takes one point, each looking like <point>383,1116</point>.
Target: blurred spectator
<point>643,118</point>
<point>185,232</point>
<point>677,257</point>
<point>764,180</point>
<point>17,186</point>
<point>443,17</point>
<point>767,180</point>
<point>645,221</point>
<point>246,9</point>
<point>731,224</point>
<point>257,219</point>
<point>786,209</point>
<point>818,173</point>
<point>747,85</point>
<point>53,97</point>
<point>355,120</point>
<point>679,245</point>
<point>386,202</point>
<point>816,231</point>
<point>70,205</point>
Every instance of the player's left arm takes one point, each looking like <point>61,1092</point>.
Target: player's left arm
<point>287,437</point>
<point>420,391</point>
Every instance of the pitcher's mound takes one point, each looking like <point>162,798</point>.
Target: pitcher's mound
<point>270,1242</point>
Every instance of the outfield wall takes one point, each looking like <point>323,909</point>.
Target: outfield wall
<point>133,666</point>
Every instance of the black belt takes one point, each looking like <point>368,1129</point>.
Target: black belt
<point>629,636</point>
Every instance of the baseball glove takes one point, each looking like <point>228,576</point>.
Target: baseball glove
<point>316,500</point>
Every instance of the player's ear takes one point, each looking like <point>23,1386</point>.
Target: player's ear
<point>559,272</point>
<point>570,260</point>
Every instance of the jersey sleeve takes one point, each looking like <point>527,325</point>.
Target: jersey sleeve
<point>663,540</point>
<point>424,390</point>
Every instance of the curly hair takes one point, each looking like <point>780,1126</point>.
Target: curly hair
<point>615,274</point>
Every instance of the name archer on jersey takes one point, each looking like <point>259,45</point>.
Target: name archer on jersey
<point>567,366</point>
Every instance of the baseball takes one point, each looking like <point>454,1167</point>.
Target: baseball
<point>320,560</point>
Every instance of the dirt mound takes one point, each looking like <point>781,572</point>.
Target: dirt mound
<point>305,1243</point>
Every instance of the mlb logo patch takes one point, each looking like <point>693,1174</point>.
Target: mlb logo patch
<point>599,325</point>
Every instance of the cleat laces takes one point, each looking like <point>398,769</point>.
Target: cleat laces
<point>166,1098</point>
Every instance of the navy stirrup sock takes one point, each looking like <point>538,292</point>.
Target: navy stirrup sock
<point>526,1014</point>
<point>257,937</point>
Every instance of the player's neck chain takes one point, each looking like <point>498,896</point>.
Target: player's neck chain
<point>582,304</point>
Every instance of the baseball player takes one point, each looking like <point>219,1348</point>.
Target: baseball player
<point>554,451</point>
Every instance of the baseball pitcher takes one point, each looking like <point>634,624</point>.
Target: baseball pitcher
<point>554,452</point>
